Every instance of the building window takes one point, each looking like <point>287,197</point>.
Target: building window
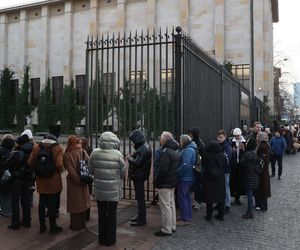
<point>57,89</point>
<point>34,91</point>
<point>14,91</point>
<point>138,85</point>
<point>80,89</point>
<point>242,73</point>
<point>167,83</point>
<point>108,80</point>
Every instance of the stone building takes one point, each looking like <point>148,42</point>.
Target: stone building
<point>51,34</point>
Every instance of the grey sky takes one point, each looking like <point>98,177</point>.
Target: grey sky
<point>286,35</point>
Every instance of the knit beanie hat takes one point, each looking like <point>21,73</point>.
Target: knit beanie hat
<point>237,131</point>
<point>28,133</point>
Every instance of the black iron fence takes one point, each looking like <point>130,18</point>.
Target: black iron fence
<point>156,82</point>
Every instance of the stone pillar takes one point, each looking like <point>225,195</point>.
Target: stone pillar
<point>3,40</point>
<point>68,42</point>
<point>184,15</point>
<point>219,31</point>
<point>23,41</point>
<point>151,7</point>
<point>258,10</point>
<point>93,27</point>
<point>121,22</point>
<point>44,45</point>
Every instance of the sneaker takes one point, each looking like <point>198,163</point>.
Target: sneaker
<point>197,206</point>
<point>161,234</point>
<point>272,175</point>
<point>257,208</point>
<point>12,227</point>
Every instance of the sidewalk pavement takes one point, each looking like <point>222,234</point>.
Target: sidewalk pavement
<point>127,237</point>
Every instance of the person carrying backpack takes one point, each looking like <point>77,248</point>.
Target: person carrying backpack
<point>17,165</point>
<point>47,161</point>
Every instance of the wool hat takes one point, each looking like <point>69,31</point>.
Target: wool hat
<point>237,131</point>
<point>28,133</point>
<point>262,136</point>
<point>22,139</point>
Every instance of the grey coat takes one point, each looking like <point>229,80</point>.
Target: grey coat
<point>108,167</point>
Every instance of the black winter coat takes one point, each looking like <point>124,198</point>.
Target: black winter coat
<point>140,165</point>
<point>248,165</point>
<point>168,164</point>
<point>5,150</point>
<point>213,186</point>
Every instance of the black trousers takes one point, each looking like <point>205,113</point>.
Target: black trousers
<point>209,209</point>
<point>20,194</point>
<point>277,158</point>
<point>139,189</point>
<point>107,222</point>
<point>49,201</point>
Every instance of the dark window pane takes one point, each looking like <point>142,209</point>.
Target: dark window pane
<point>241,73</point>
<point>138,85</point>
<point>108,87</point>
<point>57,89</point>
<point>80,89</point>
<point>34,91</point>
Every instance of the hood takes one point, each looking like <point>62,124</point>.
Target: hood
<point>137,137</point>
<point>213,147</point>
<point>192,144</point>
<point>109,140</point>
<point>8,143</point>
<point>171,143</point>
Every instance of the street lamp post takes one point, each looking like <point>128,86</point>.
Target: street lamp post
<point>252,103</point>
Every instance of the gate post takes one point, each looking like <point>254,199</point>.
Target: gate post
<point>178,82</point>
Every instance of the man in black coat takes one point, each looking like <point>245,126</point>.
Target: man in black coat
<point>165,181</point>
<point>139,170</point>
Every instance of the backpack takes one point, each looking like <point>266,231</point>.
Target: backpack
<point>44,165</point>
<point>198,164</point>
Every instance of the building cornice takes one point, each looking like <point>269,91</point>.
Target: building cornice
<point>275,11</point>
<point>29,6</point>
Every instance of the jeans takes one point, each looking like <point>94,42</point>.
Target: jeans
<point>277,158</point>
<point>140,197</point>
<point>227,188</point>
<point>249,193</point>
<point>5,204</point>
<point>19,195</point>
<point>107,222</point>
<point>185,200</point>
<point>167,209</point>
<point>49,201</point>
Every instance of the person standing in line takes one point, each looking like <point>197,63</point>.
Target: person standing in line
<point>263,190</point>
<point>85,145</point>
<point>238,146</point>
<point>227,150</point>
<point>78,197</point>
<point>249,179</point>
<point>214,180</point>
<point>6,148</point>
<point>165,180</point>
<point>108,167</point>
<point>194,133</point>
<point>278,147</point>
<point>17,164</point>
<point>185,178</point>
<point>49,188</point>
<point>139,171</point>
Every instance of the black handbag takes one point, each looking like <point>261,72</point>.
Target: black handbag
<point>85,176</point>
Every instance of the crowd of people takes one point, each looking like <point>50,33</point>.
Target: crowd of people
<point>229,166</point>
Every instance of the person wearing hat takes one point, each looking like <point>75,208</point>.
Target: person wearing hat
<point>278,147</point>
<point>6,148</point>
<point>263,190</point>
<point>238,145</point>
<point>21,172</point>
<point>49,188</point>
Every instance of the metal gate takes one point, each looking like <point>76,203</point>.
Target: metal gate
<point>155,81</point>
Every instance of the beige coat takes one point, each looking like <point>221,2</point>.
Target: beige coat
<point>78,197</point>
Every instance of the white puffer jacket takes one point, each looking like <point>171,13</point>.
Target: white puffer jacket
<point>108,167</point>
